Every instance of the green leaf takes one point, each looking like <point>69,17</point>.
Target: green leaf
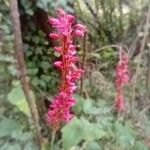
<point>72,134</point>
<point>29,12</point>
<point>45,65</point>
<point>17,97</point>
<point>92,131</point>
<point>8,126</point>
<point>33,71</point>
<point>5,58</point>
<point>30,146</point>
<point>87,106</point>
<point>78,130</point>
<point>93,146</point>
<point>95,55</point>
<point>124,135</point>
<point>139,146</point>
<point>56,54</point>
<point>79,106</point>
<point>39,51</point>
<point>10,146</point>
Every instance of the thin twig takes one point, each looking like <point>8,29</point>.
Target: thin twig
<point>53,140</point>
<point>83,64</point>
<point>147,94</point>
<point>140,57</point>
<point>22,68</point>
<point>134,43</point>
<point>111,46</point>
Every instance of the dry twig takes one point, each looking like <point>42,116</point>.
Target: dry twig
<point>22,67</point>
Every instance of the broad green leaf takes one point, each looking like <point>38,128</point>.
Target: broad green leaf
<point>30,146</point>
<point>92,131</point>
<point>17,97</point>
<point>87,106</point>
<point>45,65</point>
<point>72,134</point>
<point>95,55</point>
<point>78,130</point>
<point>10,146</point>
<point>139,146</point>
<point>8,126</point>
<point>124,134</point>
<point>79,106</point>
<point>93,146</point>
<point>29,12</point>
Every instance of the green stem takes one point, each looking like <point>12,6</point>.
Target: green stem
<point>52,140</point>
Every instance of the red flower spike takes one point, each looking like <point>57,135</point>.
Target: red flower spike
<point>59,110</point>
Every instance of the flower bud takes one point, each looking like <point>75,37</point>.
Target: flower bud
<point>71,18</point>
<point>58,49</point>
<point>58,64</point>
<point>54,22</point>
<point>54,36</point>
<point>80,27</point>
<point>78,33</point>
<point>60,12</point>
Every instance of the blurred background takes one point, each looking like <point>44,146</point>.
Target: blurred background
<point>110,24</point>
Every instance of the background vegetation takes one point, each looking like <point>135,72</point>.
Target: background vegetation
<point>110,23</point>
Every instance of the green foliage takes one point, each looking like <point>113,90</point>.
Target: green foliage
<point>17,98</point>
<point>15,133</point>
<point>72,134</point>
<point>96,126</point>
<point>78,130</point>
<point>8,126</point>
<point>27,7</point>
<point>40,60</point>
<point>103,131</point>
<point>50,4</point>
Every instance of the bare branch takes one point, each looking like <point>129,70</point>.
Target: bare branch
<point>22,67</point>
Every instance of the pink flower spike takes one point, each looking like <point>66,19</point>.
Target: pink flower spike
<point>60,109</point>
<point>54,36</point>
<point>58,64</point>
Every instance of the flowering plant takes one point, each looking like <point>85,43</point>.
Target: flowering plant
<point>66,30</point>
<point>122,78</point>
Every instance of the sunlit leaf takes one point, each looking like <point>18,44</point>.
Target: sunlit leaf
<point>17,97</point>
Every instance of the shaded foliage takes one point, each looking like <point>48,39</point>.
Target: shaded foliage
<point>110,23</point>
